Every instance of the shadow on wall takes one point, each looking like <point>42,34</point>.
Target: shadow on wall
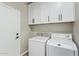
<point>57,27</point>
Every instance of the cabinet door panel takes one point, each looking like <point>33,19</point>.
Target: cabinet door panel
<point>44,12</point>
<point>37,12</point>
<point>34,13</point>
<point>54,10</point>
<point>30,13</point>
<point>68,11</point>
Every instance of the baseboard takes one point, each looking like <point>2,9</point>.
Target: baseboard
<point>24,52</point>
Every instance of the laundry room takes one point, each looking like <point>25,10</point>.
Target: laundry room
<point>63,24</point>
<point>39,28</point>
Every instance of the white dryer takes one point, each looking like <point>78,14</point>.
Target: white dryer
<point>61,45</point>
<point>37,46</point>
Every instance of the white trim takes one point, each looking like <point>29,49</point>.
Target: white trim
<point>24,52</point>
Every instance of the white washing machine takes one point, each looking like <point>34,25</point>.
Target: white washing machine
<point>61,45</point>
<point>37,46</point>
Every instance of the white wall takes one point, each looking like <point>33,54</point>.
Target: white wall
<point>60,27</point>
<point>76,24</point>
<point>24,26</point>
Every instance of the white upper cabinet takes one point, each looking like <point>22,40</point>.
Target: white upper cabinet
<point>68,11</point>
<point>62,12</point>
<point>51,12</point>
<point>38,13</point>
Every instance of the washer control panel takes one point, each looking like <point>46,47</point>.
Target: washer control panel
<point>61,35</point>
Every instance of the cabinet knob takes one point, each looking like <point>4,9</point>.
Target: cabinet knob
<point>60,16</point>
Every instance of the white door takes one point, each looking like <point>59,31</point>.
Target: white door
<point>54,11</point>
<point>68,11</point>
<point>9,26</point>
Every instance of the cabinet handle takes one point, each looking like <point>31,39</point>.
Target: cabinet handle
<point>33,20</point>
<point>60,17</point>
<point>48,18</point>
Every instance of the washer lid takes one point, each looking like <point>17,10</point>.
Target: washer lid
<point>39,38</point>
<point>68,44</point>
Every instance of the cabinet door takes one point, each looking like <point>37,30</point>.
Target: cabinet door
<point>44,12</point>
<point>54,11</point>
<point>37,13</point>
<point>68,11</point>
<point>30,14</point>
<point>34,13</point>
